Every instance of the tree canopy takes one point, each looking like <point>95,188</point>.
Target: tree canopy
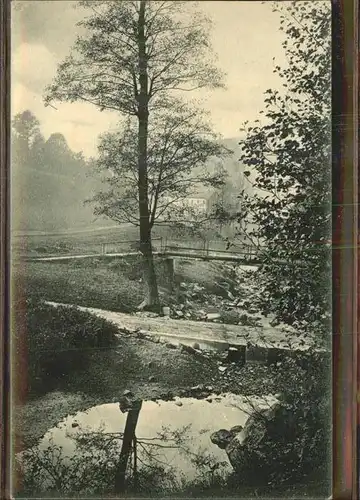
<point>134,57</point>
<point>180,143</point>
<point>289,152</point>
<point>49,180</point>
<point>104,67</point>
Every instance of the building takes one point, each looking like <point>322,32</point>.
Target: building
<point>186,206</point>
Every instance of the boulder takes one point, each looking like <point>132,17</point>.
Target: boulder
<point>221,438</point>
<point>213,316</point>
<point>241,443</point>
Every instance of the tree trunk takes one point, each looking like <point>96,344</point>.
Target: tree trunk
<point>151,298</point>
<point>129,437</point>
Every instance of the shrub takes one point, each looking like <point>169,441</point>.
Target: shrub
<point>292,443</point>
<point>51,343</point>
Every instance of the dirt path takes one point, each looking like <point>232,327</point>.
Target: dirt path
<point>217,334</point>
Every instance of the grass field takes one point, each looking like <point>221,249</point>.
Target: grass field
<point>107,283</point>
<point>121,238</point>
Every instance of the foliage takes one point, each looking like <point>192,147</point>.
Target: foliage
<point>288,154</point>
<point>55,342</point>
<point>60,173</point>
<point>133,57</point>
<point>91,468</point>
<point>104,69</point>
<point>180,143</point>
<point>292,444</point>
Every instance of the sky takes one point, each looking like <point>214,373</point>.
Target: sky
<point>245,37</point>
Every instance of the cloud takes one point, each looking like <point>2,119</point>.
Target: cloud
<point>245,37</point>
<point>33,66</point>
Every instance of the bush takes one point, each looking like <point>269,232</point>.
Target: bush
<point>51,343</point>
<point>292,443</point>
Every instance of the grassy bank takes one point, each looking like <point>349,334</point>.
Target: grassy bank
<point>105,283</point>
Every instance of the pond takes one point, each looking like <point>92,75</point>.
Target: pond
<point>173,434</point>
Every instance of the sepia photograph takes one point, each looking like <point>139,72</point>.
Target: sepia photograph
<point>171,246</point>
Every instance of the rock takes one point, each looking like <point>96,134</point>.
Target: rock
<point>141,334</point>
<point>127,393</point>
<point>213,316</point>
<point>178,403</point>
<point>240,442</point>
<point>209,400</point>
<point>169,345</point>
<point>152,378</point>
<point>74,424</point>
<point>209,388</point>
<point>195,345</point>
<point>236,429</point>
<point>151,364</point>
<point>166,311</point>
<point>221,438</point>
<point>197,388</point>
<point>222,369</point>
<point>179,313</point>
<point>188,349</point>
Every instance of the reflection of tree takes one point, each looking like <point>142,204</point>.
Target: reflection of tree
<point>112,462</point>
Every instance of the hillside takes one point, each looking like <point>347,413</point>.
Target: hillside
<point>50,186</point>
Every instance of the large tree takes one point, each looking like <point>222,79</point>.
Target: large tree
<point>180,144</point>
<point>289,155</point>
<point>131,58</point>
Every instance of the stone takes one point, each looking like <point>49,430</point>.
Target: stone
<point>236,429</point>
<point>239,442</point>
<point>178,403</point>
<point>222,369</point>
<point>236,354</point>
<point>166,311</point>
<point>197,388</point>
<point>195,345</point>
<point>152,378</point>
<point>127,393</point>
<point>188,349</point>
<point>179,313</point>
<point>74,424</point>
<point>169,345</point>
<point>213,316</point>
<point>221,438</point>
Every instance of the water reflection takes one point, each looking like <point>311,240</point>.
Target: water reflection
<point>168,439</point>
